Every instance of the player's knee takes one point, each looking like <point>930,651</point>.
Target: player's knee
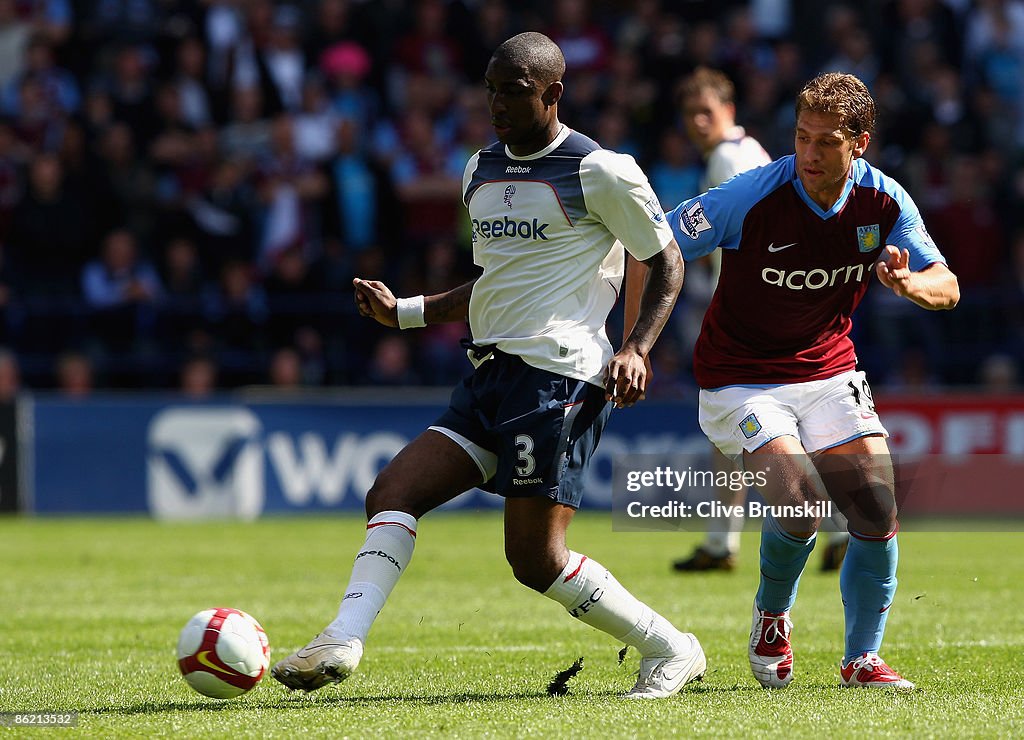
<point>533,575</point>
<point>872,515</point>
<point>377,501</point>
<point>387,494</point>
<point>875,526</point>
<point>534,568</point>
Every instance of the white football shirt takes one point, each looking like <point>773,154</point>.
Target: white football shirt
<point>735,154</point>
<point>549,231</point>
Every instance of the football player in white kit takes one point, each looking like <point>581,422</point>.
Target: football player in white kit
<point>552,214</point>
<point>707,101</point>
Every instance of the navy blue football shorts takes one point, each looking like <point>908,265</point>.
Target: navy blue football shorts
<point>530,431</point>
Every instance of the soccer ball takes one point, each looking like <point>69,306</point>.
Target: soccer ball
<point>222,653</point>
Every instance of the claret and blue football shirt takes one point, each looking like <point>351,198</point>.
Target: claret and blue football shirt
<point>792,273</point>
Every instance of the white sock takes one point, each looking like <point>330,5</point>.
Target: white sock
<point>390,537</point>
<point>837,533</point>
<point>724,536</point>
<point>591,594</point>
<point>836,538</point>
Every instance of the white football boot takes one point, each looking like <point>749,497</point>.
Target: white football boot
<point>663,676</point>
<point>324,660</point>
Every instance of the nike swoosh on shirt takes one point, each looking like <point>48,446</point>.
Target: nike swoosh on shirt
<point>773,248</point>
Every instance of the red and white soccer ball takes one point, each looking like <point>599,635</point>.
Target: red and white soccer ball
<point>222,653</point>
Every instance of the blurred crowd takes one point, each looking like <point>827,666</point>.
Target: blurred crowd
<point>187,187</point>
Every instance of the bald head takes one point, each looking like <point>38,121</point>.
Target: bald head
<point>535,53</point>
<point>524,85</point>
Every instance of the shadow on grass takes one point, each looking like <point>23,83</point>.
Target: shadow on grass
<point>300,701</point>
<point>319,701</point>
<point>153,707</point>
<point>803,687</point>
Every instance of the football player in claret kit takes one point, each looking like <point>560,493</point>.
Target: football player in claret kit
<point>707,102</point>
<point>551,214</point>
<point>780,390</point>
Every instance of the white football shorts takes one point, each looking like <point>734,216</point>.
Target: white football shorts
<point>819,413</point>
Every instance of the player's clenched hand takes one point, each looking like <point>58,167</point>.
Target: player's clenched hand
<point>625,378</point>
<point>894,270</point>
<point>375,299</point>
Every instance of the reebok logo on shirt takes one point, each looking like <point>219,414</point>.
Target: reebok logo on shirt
<point>509,227</point>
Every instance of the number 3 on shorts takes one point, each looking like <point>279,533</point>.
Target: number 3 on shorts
<point>524,443</point>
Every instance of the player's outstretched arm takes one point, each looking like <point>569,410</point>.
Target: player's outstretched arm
<point>375,300</point>
<point>934,287</point>
<point>652,287</point>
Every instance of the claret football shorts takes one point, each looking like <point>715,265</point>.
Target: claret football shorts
<point>530,431</point>
<point>819,413</point>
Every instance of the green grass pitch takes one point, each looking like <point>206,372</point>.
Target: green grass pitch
<point>90,611</point>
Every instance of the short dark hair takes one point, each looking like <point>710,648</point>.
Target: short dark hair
<point>842,94</point>
<point>534,52</point>
<point>712,80</point>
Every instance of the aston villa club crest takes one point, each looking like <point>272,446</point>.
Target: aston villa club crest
<point>750,426</point>
<point>868,238</point>
<point>511,190</point>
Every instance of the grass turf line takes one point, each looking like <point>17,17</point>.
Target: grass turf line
<point>90,610</point>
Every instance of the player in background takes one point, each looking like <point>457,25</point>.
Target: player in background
<point>551,212</point>
<point>780,390</point>
<point>707,100</point>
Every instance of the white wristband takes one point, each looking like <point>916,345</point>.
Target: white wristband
<point>410,312</point>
